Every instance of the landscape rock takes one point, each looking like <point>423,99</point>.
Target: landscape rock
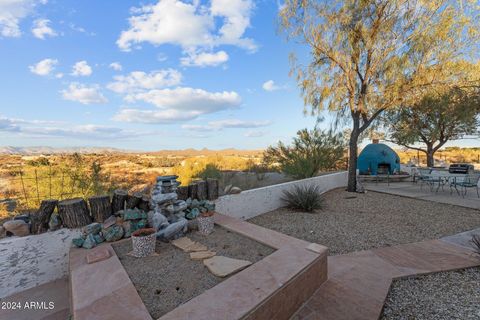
<point>159,221</point>
<point>99,254</point>
<point>113,233</point>
<point>161,198</point>
<point>99,238</point>
<point>55,222</point>
<point>92,228</point>
<point>89,242</point>
<point>235,190</point>
<point>25,217</point>
<point>201,255</point>
<point>78,242</point>
<point>222,266</point>
<point>227,189</point>
<point>187,245</point>
<point>110,221</point>
<point>173,231</point>
<point>134,214</point>
<point>18,228</point>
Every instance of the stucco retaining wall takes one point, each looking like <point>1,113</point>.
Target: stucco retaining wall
<point>26,262</point>
<point>251,203</point>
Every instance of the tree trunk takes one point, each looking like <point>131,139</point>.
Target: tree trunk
<point>182,193</point>
<point>144,204</point>
<point>133,200</point>
<point>353,156</point>
<point>41,218</point>
<point>100,207</point>
<point>192,191</point>
<point>118,200</point>
<point>74,213</point>
<point>202,190</point>
<point>430,159</point>
<point>212,189</point>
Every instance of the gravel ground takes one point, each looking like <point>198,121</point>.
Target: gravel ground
<point>443,295</point>
<point>352,222</point>
<point>170,278</point>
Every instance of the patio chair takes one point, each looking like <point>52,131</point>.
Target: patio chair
<point>470,181</point>
<point>423,175</point>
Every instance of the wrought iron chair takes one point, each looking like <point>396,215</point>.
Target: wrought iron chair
<point>470,181</point>
<point>423,175</point>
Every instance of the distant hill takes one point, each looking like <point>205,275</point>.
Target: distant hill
<point>8,150</point>
<point>50,150</point>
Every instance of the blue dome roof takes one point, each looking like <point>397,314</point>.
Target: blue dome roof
<point>378,158</point>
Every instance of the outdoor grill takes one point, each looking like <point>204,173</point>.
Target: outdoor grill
<point>462,168</point>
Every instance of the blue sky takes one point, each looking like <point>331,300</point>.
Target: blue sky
<point>148,75</point>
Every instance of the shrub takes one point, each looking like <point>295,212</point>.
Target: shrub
<point>311,152</point>
<point>211,171</point>
<point>476,243</point>
<point>304,197</point>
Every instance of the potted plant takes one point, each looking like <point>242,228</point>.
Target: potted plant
<point>206,222</point>
<point>143,242</point>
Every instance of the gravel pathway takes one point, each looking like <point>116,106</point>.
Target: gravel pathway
<point>170,278</point>
<point>352,222</point>
<point>443,295</point>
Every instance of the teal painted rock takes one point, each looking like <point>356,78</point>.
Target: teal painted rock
<point>193,213</point>
<point>99,238</point>
<point>78,242</point>
<point>195,203</point>
<point>89,242</point>
<point>92,228</point>
<point>113,233</point>
<point>134,214</point>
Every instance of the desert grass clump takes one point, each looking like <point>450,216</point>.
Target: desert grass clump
<point>304,197</point>
<point>476,243</point>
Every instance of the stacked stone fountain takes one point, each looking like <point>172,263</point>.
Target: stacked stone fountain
<point>168,217</point>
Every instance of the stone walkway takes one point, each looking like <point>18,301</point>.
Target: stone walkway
<point>359,282</point>
<point>411,190</point>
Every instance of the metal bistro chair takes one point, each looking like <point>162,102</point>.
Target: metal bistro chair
<point>470,181</point>
<point>423,175</point>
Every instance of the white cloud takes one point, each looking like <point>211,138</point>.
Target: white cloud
<point>44,67</point>
<point>270,85</point>
<point>178,104</point>
<point>36,128</point>
<point>116,66</point>
<point>188,99</point>
<point>204,59</point>
<point>41,29</point>
<point>81,69</point>
<point>84,94</point>
<point>192,26</point>
<point>139,80</point>
<point>255,133</point>
<point>227,123</point>
<point>154,116</point>
<point>12,12</point>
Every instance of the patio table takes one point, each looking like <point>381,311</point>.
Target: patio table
<point>442,178</point>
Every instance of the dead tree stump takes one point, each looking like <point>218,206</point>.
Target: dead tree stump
<point>133,200</point>
<point>144,203</point>
<point>118,200</point>
<point>201,190</point>
<point>74,213</point>
<point>182,193</point>
<point>100,207</point>
<point>212,189</point>
<point>192,191</point>
<point>41,218</point>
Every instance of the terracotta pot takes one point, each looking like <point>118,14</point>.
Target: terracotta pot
<point>143,242</point>
<point>206,223</point>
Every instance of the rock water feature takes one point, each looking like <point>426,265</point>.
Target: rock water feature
<point>171,218</point>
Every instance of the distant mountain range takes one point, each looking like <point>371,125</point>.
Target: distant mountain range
<point>8,150</point>
<point>52,150</point>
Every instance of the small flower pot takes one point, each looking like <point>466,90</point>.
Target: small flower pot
<point>206,223</point>
<point>143,242</point>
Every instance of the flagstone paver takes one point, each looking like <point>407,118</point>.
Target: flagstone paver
<point>359,282</point>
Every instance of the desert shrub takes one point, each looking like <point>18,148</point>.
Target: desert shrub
<point>211,171</point>
<point>304,197</point>
<point>476,243</point>
<point>311,151</point>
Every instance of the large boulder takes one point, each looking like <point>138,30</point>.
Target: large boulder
<point>18,228</point>
<point>113,233</point>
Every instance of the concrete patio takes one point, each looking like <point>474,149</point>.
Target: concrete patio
<point>415,190</point>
